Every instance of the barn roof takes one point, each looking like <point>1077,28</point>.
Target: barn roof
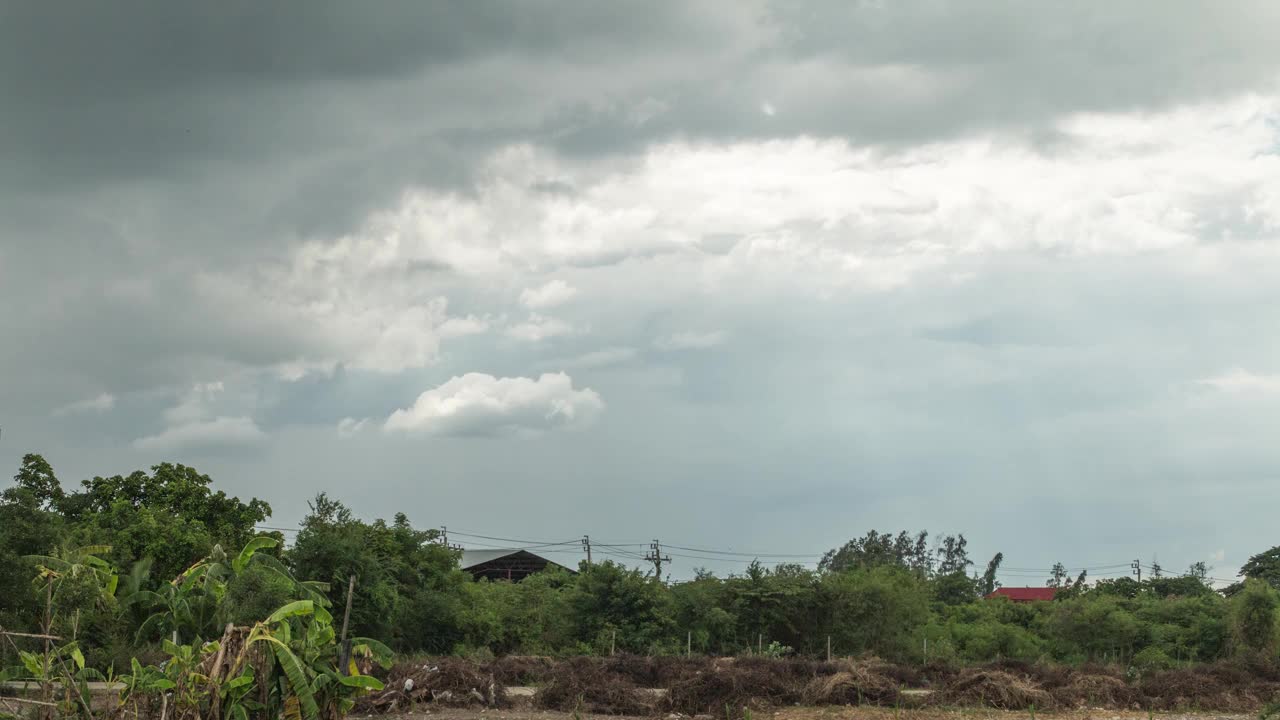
<point>473,558</point>
<point>1025,594</point>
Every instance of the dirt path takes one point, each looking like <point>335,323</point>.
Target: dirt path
<point>824,713</point>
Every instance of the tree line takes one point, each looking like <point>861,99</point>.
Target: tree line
<point>900,596</point>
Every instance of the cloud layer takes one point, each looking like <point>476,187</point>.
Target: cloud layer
<point>480,404</point>
<point>834,265</point>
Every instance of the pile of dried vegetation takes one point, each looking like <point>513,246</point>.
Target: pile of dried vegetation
<point>585,684</point>
<point>453,682</point>
<point>993,689</point>
<point>624,685</point>
<point>865,682</point>
<point>1222,687</point>
<point>523,669</point>
<point>733,685</point>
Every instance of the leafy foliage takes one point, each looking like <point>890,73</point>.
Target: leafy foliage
<point>195,564</point>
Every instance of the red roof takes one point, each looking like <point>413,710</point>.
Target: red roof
<point>1025,594</point>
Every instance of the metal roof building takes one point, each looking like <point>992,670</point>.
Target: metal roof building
<point>514,564</point>
<point>1025,594</point>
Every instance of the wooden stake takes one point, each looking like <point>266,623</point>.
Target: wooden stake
<point>828,648</point>
<point>760,644</point>
<point>688,644</point>
<point>613,639</point>
<point>344,653</point>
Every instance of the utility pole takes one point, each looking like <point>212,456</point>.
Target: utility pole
<point>586,543</point>
<point>444,535</point>
<point>656,557</point>
<point>1137,569</point>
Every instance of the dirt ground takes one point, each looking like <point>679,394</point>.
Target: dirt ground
<point>823,713</point>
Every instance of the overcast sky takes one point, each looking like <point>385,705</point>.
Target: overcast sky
<point>739,275</point>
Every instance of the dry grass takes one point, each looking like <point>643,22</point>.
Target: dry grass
<point>588,685</point>
<point>994,689</point>
<point>701,686</point>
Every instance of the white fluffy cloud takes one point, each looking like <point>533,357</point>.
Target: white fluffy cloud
<point>461,326</point>
<point>1239,380</point>
<point>202,434</point>
<point>540,327</point>
<point>553,293</point>
<point>98,404</point>
<point>829,213</point>
<point>196,404</point>
<point>206,416</point>
<point>480,404</point>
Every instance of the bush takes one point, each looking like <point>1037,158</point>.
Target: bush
<point>1253,618</point>
<point>1151,659</point>
<point>254,594</point>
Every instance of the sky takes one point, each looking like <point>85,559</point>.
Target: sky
<point>751,276</point>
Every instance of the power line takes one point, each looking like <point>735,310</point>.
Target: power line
<point>620,550</point>
<point>746,554</point>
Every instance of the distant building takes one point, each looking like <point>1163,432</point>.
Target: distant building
<point>514,565</point>
<point>1025,594</point>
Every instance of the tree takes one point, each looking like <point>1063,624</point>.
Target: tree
<point>955,588</point>
<point>988,584</point>
<point>171,515</point>
<point>1253,618</point>
<point>953,556</point>
<point>1058,575</point>
<point>877,549</point>
<point>35,476</point>
<point>1199,571</point>
<point>608,597</point>
<point>1264,566</point>
<point>27,527</point>
<point>877,610</point>
<point>406,581</point>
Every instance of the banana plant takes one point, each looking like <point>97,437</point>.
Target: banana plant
<point>188,605</point>
<point>299,679</point>
<point>65,665</point>
<point>62,667</point>
<point>72,562</point>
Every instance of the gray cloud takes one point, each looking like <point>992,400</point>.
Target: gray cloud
<point>832,265</point>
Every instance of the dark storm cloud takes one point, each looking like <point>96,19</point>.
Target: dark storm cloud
<point>110,92</point>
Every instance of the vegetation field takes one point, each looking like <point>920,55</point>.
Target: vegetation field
<point>160,582</point>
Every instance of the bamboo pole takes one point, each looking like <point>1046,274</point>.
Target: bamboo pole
<point>344,653</point>
<point>37,636</point>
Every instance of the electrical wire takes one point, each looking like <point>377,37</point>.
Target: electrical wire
<point>620,550</point>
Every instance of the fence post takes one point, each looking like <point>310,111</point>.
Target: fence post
<point>688,644</point>
<point>613,639</point>
<point>828,648</point>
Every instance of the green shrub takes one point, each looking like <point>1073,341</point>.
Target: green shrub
<point>1151,659</point>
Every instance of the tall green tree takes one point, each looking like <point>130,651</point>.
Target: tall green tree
<point>989,584</point>
<point>1253,618</point>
